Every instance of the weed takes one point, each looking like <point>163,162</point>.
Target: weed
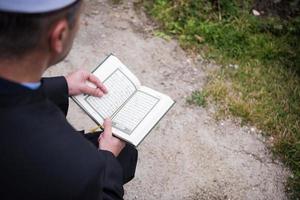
<point>162,34</point>
<point>116,1</point>
<point>198,98</point>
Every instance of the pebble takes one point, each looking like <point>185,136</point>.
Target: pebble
<point>235,66</point>
<point>95,12</point>
<point>255,12</point>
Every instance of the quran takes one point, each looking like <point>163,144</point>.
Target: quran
<point>134,109</point>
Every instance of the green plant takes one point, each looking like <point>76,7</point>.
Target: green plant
<point>198,98</point>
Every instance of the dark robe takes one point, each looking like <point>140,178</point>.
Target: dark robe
<point>43,157</point>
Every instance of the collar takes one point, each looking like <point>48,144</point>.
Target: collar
<point>32,85</point>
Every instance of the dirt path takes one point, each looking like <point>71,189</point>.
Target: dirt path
<point>188,155</point>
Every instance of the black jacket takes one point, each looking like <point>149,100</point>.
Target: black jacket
<point>42,156</point>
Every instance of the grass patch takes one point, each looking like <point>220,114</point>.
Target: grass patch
<point>116,1</point>
<point>263,87</point>
<point>198,98</point>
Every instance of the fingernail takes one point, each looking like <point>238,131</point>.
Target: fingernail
<point>105,90</point>
<point>99,93</point>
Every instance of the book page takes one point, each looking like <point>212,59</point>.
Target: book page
<point>120,89</point>
<point>145,108</point>
<point>110,64</point>
<point>121,83</point>
<point>134,111</point>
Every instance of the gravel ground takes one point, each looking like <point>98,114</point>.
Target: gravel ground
<point>188,155</point>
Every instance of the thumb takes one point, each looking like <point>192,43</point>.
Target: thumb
<point>107,128</point>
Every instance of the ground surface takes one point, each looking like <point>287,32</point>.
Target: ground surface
<point>188,155</point>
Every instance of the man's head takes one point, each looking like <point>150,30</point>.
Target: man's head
<point>48,32</point>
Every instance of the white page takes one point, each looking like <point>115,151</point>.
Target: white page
<point>120,82</point>
<point>120,89</point>
<point>150,119</point>
<point>110,65</point>
<point>134,111</point>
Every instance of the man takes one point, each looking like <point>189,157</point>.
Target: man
<point>41,155</point>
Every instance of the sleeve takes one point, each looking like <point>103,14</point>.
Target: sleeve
<point>127,158</point>
<point>112,179</point>
<point>56,89</point>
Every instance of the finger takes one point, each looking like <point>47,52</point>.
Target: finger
<point>107,128</point>
<point>92,78</point>
<point>92,91</point>
<point>99,92</point>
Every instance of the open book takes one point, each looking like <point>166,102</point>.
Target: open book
<point>134,109</point>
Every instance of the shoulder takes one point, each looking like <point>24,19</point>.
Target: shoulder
<point>43,150</point>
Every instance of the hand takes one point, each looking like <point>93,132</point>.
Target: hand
<point>108,142</point>
<point>77,83</point>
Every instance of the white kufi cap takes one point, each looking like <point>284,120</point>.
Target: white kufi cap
<point>33,6</point>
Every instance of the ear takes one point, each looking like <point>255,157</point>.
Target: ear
<point>58,36</point>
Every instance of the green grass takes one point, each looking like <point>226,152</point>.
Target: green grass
<point>264,87</point>
<point>198,98</point>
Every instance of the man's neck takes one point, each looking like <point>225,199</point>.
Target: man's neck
<point>26,69</point>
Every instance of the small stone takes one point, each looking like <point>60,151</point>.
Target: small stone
<point>255,12</point>
<point>95,12</point>
<point>235,66</point>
